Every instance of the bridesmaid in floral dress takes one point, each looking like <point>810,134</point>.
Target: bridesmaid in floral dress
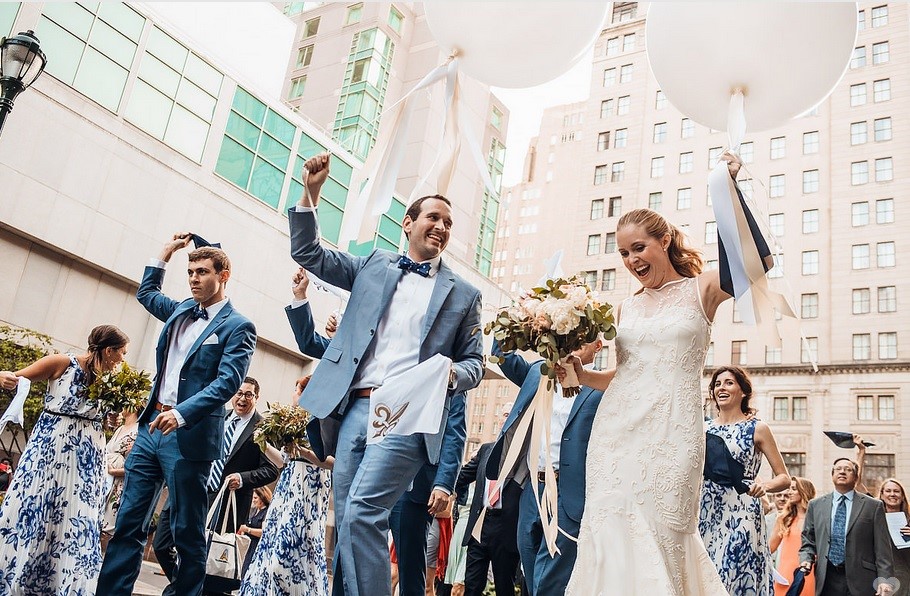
<point>50,520</point>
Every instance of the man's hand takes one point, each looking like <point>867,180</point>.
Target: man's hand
<point>301,281</point>
<point>331,326</point>
<point>733,163</point>
<point>180,240</point>
<point>806,566</point>
<point>166,422</point>
<point>234,481</point>
<point>318,168</point>
<point>438,502</point>
<point>884,587</point>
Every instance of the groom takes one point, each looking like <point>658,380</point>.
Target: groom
<point>403,310</point>
<point>202,357</point>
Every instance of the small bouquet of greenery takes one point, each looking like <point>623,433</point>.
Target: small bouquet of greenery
<point>123,388</point>
<point>554,321</point>
<point>283,426</point>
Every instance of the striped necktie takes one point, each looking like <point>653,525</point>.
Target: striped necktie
<point>214,481</point>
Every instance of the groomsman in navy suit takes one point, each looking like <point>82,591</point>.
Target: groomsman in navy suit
<point>403,310</point>
<point>570,428</point>
<point>202,357</point>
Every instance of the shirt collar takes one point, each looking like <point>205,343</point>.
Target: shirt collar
<point>213,310</point>
<point>849,495</point>
<point>435,263</point>
<point>242,418</point>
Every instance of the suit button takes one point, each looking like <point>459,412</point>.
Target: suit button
<point>372,331</point>
<point>356,360</point>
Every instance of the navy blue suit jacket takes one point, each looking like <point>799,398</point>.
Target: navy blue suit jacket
<point>574,446</point>
<point>212,373</point>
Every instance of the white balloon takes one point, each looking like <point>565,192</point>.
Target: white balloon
<point>516,44</point>
<point>785,56</point>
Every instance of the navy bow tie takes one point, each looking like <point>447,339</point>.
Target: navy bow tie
<point>199,313</point>
<point>408,265</point>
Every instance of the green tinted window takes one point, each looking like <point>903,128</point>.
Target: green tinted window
<point>274,151</point>
<point>203,74</point>
<point>159,75</point>
<point>122,18</point>
<point>103,76</point>
<point>249,106</point>
<point>167,49</point>
<point>266,182</point>
<point>8,12</point>
<point>112,44</point>
<point>71,17</point>
<point>242,130</point>
<point>65,48</point>
<point>186,133</point>
<point>235,162</point>
<point>154,105</point>
<point>280,128</point>
<point>308,148</point>
<point>329,221</point>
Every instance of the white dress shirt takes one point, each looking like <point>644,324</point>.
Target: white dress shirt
<point>184,333</point>
<point>244,421</point>
<point>562,407</point>
<point>834,503</point>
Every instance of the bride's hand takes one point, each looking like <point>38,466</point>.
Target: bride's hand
<point>576,364</point>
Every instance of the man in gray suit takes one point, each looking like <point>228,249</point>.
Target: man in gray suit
<point>846,537</point>
<point>403,310</point>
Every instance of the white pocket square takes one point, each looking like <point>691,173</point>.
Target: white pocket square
<point>212,339</point>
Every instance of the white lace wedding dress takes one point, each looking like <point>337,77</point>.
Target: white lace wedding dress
<point>646,454</point>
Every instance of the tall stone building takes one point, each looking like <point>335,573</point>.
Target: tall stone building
<point>828,188</point>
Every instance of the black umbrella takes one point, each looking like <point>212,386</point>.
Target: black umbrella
<point>844,440</point>
<point>799,581</point>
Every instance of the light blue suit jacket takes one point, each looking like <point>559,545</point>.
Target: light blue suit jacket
<point>574,447</point>
<point>452,327</point>
<point>211,374</point>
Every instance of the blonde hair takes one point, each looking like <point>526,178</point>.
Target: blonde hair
<point>686,260</point>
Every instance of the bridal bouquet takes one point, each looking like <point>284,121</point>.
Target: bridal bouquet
<point>283,426</point>
<point>554,321</point>
<point>123,388</point>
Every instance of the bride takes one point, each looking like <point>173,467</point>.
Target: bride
<point>645,458</point>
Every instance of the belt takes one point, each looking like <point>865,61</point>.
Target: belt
<point>361,393</point>
<point>162,407</point>
<point>542,477</point>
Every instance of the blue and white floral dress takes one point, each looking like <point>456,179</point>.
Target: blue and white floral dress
<point>731,525</point>
<point>50,520</point>
<point>290,559</point>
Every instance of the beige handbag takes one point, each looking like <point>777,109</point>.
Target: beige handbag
<point>226,551</point>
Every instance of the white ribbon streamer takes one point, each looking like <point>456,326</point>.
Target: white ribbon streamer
<point>16,410</point>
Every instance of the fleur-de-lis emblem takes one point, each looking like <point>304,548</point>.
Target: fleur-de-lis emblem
<point>387,419</point>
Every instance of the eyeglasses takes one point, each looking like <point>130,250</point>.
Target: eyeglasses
<point>246,394</point>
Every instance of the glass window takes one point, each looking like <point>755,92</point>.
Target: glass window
<point>609,77</point>
<point>886,407</point>
<point>884,211</point>
<point>778,147</point>
<point>773,355</point>
<point>884,169</point>
<point>809,350</point>
<point>624,11</point>
<point>810,142</point>
<point>618,173</point>
<point>859,172</point>
<point>600,174</point>
<point>884,254</point>
<point>591,279</point>
<point>610,242</point>
<point>660,132</point>
<point>684,198</point>
<point>747,152</point>
<point>603,141</point>
<point>657,167</point>
<point>615,207</point>
<point>608,280</point>
<point>304,56</point>
<point>796,463</point>
<point>776,186</point>
<point>686,162</point>
<point>8,12</point>
<point>880,53</point>
<point>860,254</point>
<point>606,108</point>
<point>496,118</point>
<point>887,346</point>
<point>882,129</point>
<point>809,306</point>
<point>810,181</point>
<point>623,104</point>
<point>655,201</point>
<point>597,208</point>
<point>810,221</point>
<point>396,20</point>
<point>776,224</point>
<point>709,355</point>
<point>714,154</point>
<point>613,46</point>
<point>354,14</point>
<point>778,269</point>
<point>800,408</point>
<point>311,28</point>
<point>862,346</point>
<point>881,91</point>
<point>858,133</point>
<point>858,94</point>
<point>660,101</point>
<point>865,405</point>
<point>880,16</point>
<point>594,244</point>
<point>620,136</point>
<point>810,262</point>
<point>781,409</point>
<point>859,57</point>
<point>859,214</point>
<point>711,232</point>
<point>628,42</point>
<point>687,129</point>
<point>861,20</point>
<point>625,73</point>
<point>887,299</point>
<point>861,301</point>
<point>739,352</point>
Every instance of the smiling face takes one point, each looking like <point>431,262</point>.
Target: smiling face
<point>206,285</point>
<point>244,401</point>
<point>793,492</point>
<point>843,474</point>
<point>111,357</point>
<point>893,496</point>
<point>782,498</point>
<point>727,392</point>
<point>428,233</point>
<point>645,256</point>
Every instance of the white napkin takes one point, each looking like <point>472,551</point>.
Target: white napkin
<point>16,410</point>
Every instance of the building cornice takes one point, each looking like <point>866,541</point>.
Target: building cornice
<point>840,368</point>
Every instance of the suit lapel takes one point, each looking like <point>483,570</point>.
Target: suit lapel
<point>579,401</point>
<point>444,283</point>
<point>223,314</point>
<point>247,431</point>
<point>392,274</point>
<point>859,502</point>
<point>826,518</point>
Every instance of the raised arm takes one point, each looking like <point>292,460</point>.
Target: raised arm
<point>48,367</point>
<point>149,295</point>
<point>513,365</point>
<point>300,318</point>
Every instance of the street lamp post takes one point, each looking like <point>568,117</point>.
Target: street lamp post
<point>21,63</point>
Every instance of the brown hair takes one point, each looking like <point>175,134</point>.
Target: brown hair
<point>806,491</point>
<point>220,260</point>
<point>686,260</point>
<point>101,337</point>
<point>904,506</point>
<point>744,382</point>
<point>302,382</point>
<point>265,494</point>
<point>253,382</point>
<point>414,210</point>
